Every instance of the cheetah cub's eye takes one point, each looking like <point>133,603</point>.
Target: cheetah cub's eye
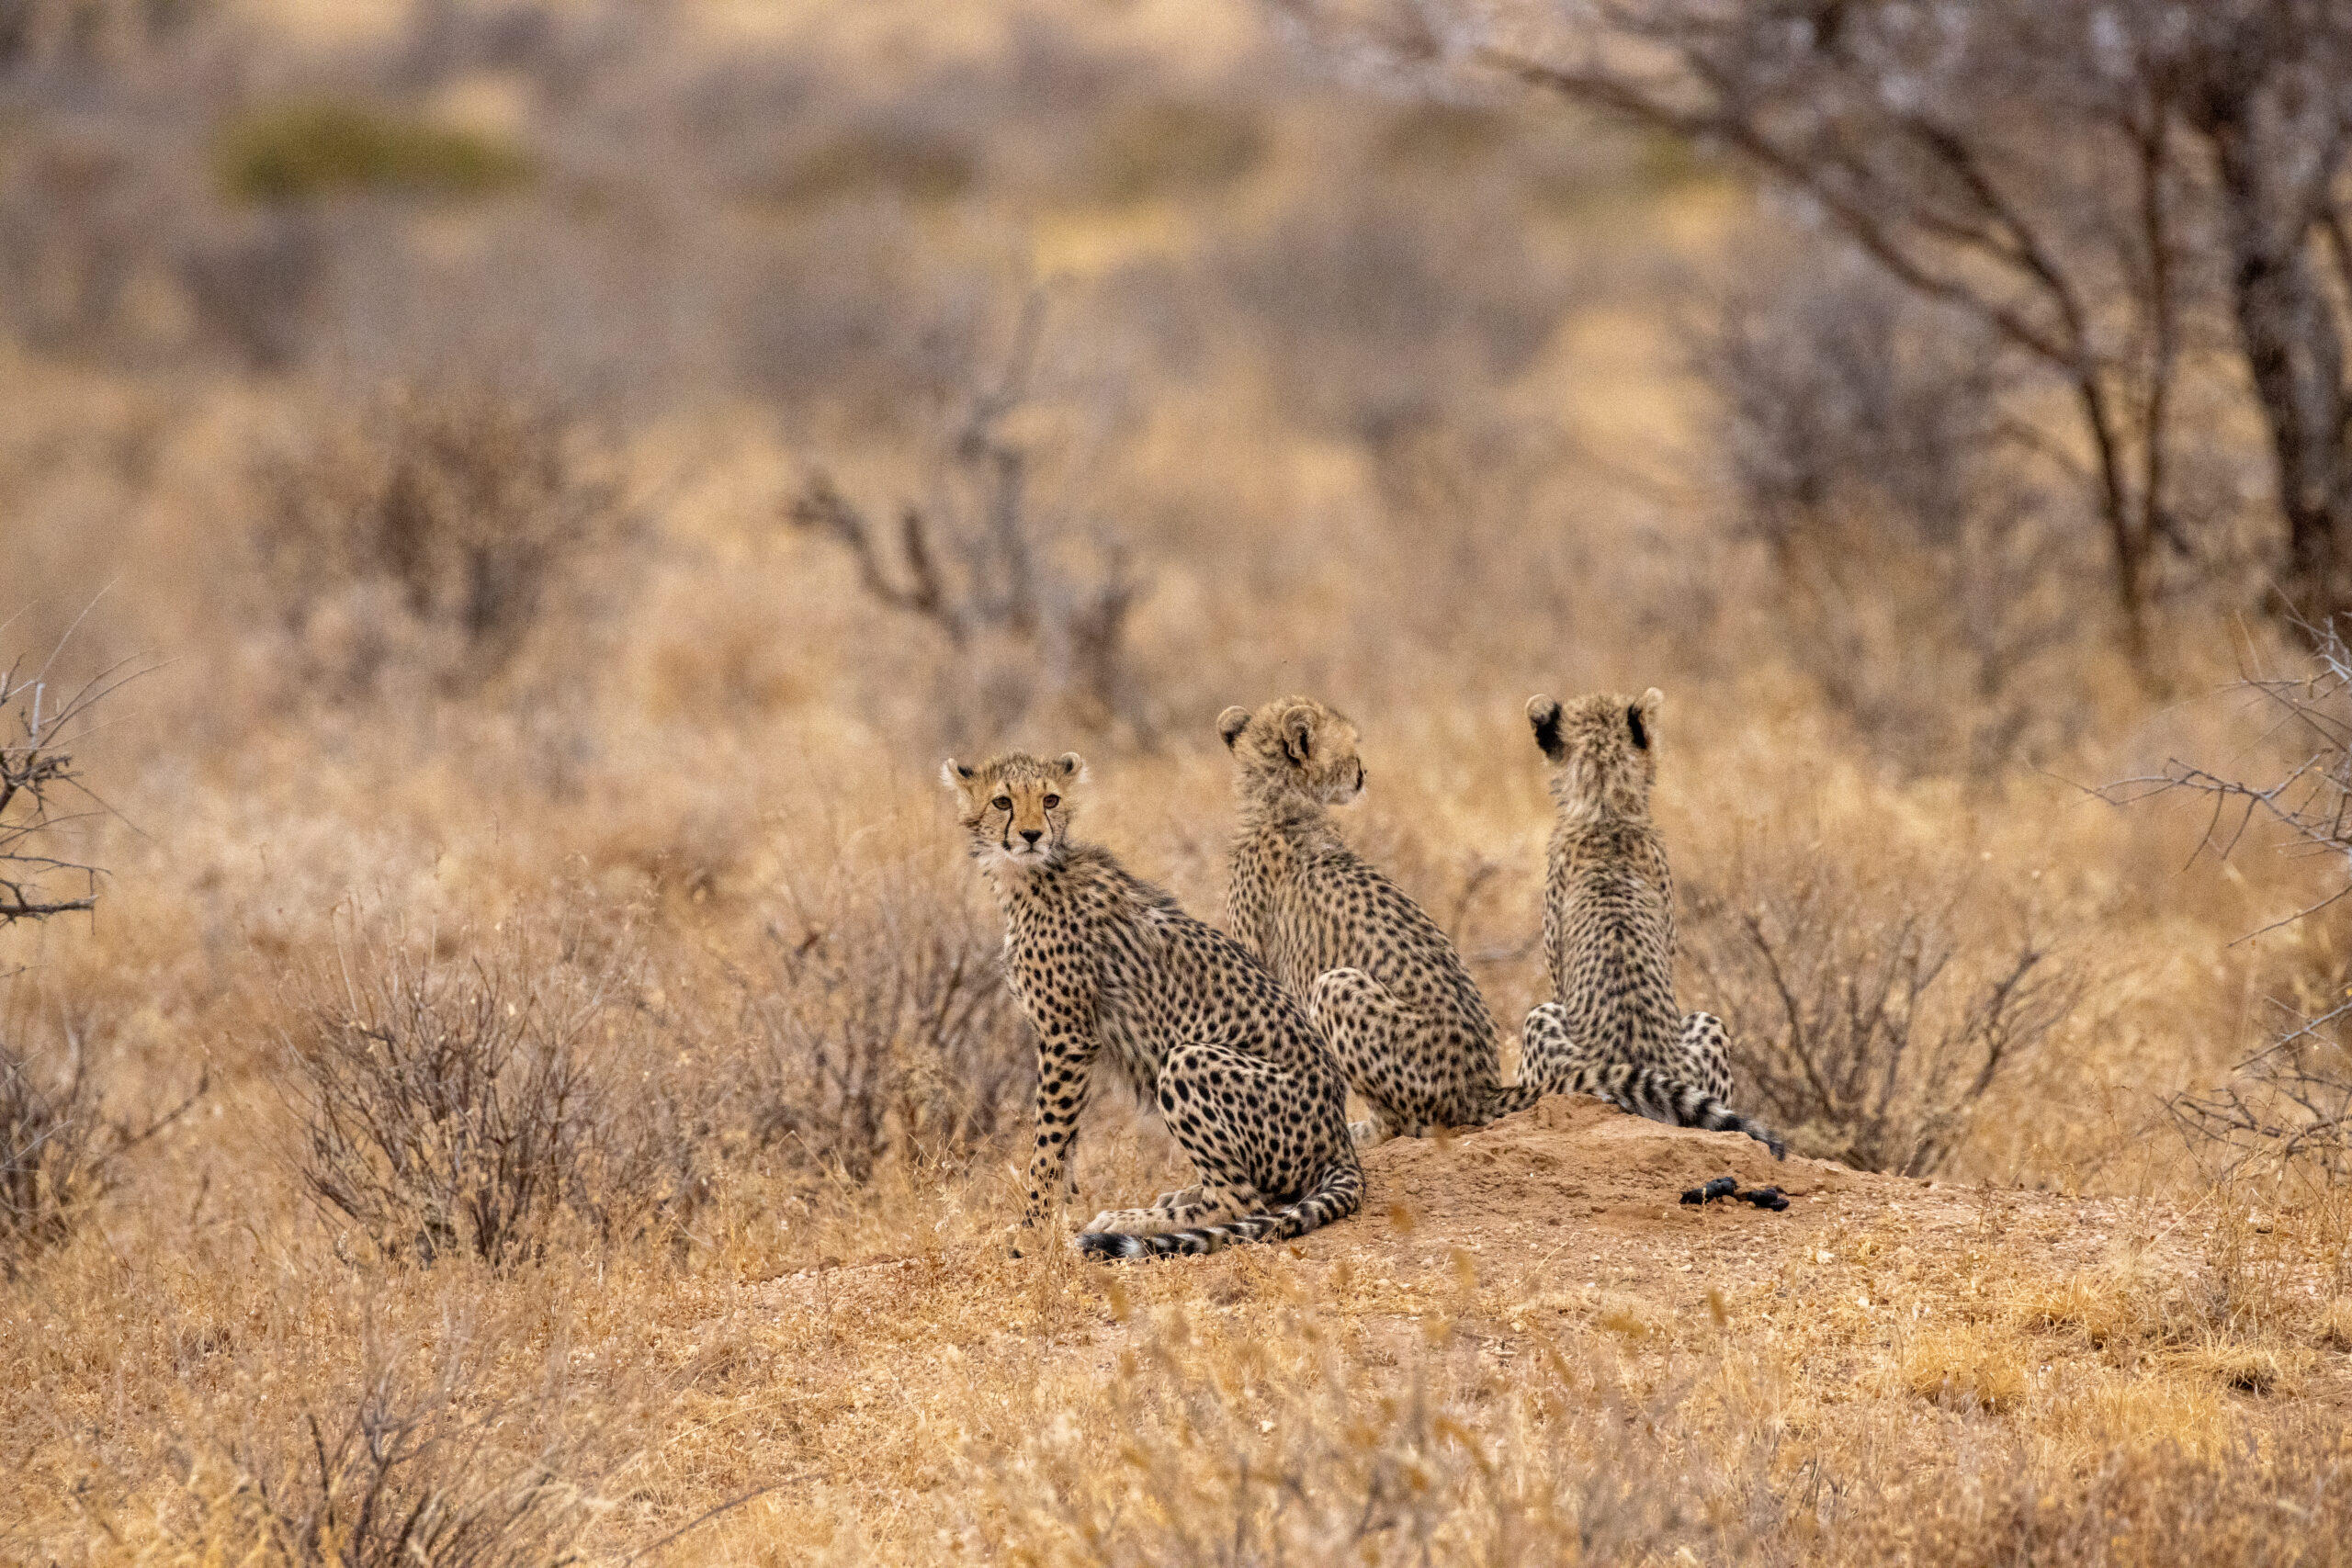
<point>1003,803</point>
<point>1052,801</point>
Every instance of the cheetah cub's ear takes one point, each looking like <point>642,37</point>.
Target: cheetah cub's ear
<point>1072,767</point>
<point>1298,734</point>
<point>955,775</point>
<point>1231,723</point>
<point>1642,717</point>
<point>1544,716</point>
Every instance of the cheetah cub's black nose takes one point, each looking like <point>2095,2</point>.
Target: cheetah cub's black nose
<point>1033,834</point>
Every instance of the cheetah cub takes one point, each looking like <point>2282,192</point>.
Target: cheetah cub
<point>1609,932</point>
<point>1109,970</point>
<point>1379,978</point>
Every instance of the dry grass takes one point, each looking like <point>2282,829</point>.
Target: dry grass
<point>715,1272</point>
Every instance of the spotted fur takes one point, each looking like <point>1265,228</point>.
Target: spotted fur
<point>1612,1029</point>
<point>1381,981</point>
<point>1111,973</point>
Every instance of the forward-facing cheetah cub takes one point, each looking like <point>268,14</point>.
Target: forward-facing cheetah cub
<point>1107,965</point>
<point>1379,978</point>
<point>1609,932</point>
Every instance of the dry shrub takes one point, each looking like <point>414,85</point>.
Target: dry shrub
<point>1860,1022</point>
<point>252,283</point>
<point>897,157</point>
<point>2121,1313</point>
<point>883,1029</point>
<point>2247,1368</point>
<point>38,777</point>
<point>431,534</point>
<point>1920,573</point>
<point>456,1105</point>
<point>1169,148</point>
<point>421,1464</point>
<point>60,1147</point>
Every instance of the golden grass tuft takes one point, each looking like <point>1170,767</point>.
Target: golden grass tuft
<point>2335,1325</point>
<point>2247,1369</point>
<point>1965,1368</point>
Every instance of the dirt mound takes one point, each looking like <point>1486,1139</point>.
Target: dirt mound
<point>1578,1191</point>
<point>1572,1155</point>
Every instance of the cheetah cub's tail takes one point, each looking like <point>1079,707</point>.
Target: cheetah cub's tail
<point>1339,1194</point>
<point>1697,1108</point>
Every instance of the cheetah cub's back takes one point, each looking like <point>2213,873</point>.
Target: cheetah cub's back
<point>1382,982</point>
<point>1612,1029</point>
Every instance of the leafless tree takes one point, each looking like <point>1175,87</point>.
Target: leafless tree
<point>2086,178</point>
<point>1927,569</point>
<point>982,562</point>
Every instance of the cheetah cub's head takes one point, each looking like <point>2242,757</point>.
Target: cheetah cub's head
<point>1016,808</point>
<point>1294,744</point>
<point>1602,749</point>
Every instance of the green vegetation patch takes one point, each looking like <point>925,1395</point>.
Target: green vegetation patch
<point>299,151</point>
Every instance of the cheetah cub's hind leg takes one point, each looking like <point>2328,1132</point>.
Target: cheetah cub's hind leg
<point>1206,1094</point>
<point>1378,1043</point>
<point>1550,1056</point>
<point>1706,1055</point>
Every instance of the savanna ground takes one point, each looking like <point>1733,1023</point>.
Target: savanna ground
<point>532,1084</point>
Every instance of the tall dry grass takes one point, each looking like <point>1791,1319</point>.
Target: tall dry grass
<point>625,1180</point>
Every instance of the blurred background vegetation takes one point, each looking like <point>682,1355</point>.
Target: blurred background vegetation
<point>566,470</point>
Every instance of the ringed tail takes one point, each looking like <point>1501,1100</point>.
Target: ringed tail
<point>1697,1108</point>
<point>1338,1195</point>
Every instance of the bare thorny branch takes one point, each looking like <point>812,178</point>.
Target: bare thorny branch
<point>983,564</point>
<point>2291,1100</point>
<point>36,773</point>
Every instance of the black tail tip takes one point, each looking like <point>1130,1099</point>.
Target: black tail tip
<point>1108,1244</point>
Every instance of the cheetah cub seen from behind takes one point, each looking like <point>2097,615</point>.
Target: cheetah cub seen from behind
<point>1109,971</point>
<point>1379,978</point>
<point>1612,1030</point>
